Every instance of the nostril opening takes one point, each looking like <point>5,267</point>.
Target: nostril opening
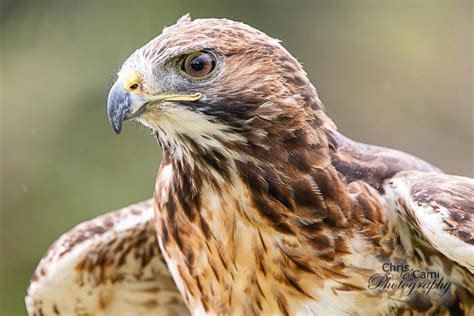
<point>134,86</point>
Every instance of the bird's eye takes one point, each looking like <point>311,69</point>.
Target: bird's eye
<point>199,64</point>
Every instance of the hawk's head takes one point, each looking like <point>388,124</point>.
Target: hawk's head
<point>214,80</point>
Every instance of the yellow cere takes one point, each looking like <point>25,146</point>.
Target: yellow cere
<point>130,79</point>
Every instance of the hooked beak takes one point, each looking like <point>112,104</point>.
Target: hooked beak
<point>123,104</point>
<point>120,103</point>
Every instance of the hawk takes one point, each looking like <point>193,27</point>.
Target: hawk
<point>261,206</point>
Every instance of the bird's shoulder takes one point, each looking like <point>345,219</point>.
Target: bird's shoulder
<point>372,164</point>
<point>438,209</point>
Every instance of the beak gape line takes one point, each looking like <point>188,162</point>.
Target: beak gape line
<point>124,105</point>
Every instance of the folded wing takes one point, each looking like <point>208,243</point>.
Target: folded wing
<point>110,265</point>
<point>440,209</point>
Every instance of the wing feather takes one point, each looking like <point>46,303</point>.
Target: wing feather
<point>440,208</point>
<point>110,265</point>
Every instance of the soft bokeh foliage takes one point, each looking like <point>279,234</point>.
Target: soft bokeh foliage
<point>397,74</point>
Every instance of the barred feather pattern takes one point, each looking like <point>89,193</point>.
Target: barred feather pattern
<point>109,265</point>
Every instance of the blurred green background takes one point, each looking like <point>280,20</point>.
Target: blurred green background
<point>398,74</point>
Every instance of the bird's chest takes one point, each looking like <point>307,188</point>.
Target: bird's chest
<point>225,258</point>
<point>208,252</point>
<point>221,261</point>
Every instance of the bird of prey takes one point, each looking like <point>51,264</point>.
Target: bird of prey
<point>261,206</point>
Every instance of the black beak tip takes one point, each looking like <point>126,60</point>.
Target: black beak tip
<point>115,118</point>
<point>117,127</point>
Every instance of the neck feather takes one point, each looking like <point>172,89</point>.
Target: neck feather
<point>283,171</point>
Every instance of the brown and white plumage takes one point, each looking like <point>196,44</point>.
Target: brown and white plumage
<point>439,209</point>
<point>110,265</point>
<point>263,207</point>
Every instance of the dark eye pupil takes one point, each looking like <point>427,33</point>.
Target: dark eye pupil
<point>197,64</point>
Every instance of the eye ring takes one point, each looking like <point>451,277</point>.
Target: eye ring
<point>199,64</point>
